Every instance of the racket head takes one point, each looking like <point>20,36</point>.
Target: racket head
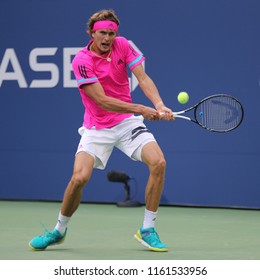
<point>219,113</point>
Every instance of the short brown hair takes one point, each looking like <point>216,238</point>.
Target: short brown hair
<point>101,15</point>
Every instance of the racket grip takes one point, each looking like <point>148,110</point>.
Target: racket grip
<point>176,115</point>
<point>162,113</point>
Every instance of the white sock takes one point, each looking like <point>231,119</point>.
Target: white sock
<point>149,218</point>
<point>62,223</point>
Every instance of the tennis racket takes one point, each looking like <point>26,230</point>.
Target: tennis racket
<point>217,113</point>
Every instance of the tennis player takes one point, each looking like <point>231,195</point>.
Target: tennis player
<point>111,120</point>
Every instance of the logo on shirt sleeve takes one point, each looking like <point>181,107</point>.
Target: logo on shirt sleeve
<point>83,71</point>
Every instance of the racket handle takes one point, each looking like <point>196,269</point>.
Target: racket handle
<point>176,115</point>
<point>181,117</point>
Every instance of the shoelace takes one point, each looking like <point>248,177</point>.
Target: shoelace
<point>48,234</point>
<point>154,237</point>
<point>44,227</point>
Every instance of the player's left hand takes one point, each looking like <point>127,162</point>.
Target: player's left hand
<point>166,114</point>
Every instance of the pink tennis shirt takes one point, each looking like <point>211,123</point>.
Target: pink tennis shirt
<point>112,75</point>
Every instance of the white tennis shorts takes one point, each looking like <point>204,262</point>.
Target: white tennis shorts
<point>129,136</point>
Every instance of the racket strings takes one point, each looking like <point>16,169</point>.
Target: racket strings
<point>219,113</point>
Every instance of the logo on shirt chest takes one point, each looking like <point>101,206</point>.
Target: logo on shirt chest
<point>120,61</point>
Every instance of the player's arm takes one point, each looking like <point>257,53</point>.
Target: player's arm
<point>150,90</point>
<point>96,92</point>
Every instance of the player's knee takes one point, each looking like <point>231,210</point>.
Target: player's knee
<point>79,180</point>
<point>158,166</point>
<point>162,164</point>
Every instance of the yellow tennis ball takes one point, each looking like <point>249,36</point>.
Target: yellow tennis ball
<point>183,97</point>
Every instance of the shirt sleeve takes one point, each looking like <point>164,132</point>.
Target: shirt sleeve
<point>83,70</point>
<point>133,57</point>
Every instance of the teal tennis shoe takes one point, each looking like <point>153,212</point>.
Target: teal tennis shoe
<point>150,239</point>
<point>49,238</point>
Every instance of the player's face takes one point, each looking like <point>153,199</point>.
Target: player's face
<point>103,39</point>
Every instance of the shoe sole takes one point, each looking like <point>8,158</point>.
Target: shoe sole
<point>154,249</point>
<point>42,249</point>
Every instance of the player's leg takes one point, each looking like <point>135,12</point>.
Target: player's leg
<point>83,167</point>
<point>153,157</point>
<point>138,143</point>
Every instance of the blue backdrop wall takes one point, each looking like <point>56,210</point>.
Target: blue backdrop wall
<point>202,47</point>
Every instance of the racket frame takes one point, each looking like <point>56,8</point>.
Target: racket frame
<point>179,113</point>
